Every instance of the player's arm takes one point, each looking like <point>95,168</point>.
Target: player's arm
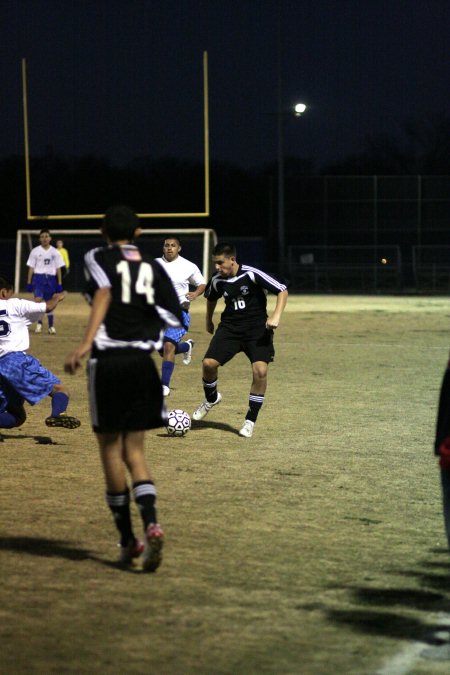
<point>192,295</point>
<point>198,280</point>
<point>54,300</point>
<point>30,280</point>
<point>59,263</point>
<point>210,307</point>
<point>275,286</point>
<point>274,319</point>
<point>99,308</point>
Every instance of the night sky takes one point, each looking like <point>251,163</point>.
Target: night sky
<point>123,78</point>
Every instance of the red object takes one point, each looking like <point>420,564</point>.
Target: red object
<point>444,454</point>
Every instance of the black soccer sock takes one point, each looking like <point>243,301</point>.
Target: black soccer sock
<point>210,389</point>
<point>145,497</point>
<point>119,503</point>
<point>255,403</point>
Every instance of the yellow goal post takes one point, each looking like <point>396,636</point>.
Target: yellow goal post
<point>197,245</point>
<point>97,216</point>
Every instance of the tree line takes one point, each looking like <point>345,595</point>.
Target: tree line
<point>242,201</point>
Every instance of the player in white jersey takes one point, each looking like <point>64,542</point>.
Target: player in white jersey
<point>22,376</point>
<point>44,279</point>
<point>183,274</point>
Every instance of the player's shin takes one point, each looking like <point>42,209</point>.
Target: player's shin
<point>145,497</point>
<point>166,372</point>
<point>119,504</point>
<point>254,406</point>
<point>60,401</point>
<point>210,389</point>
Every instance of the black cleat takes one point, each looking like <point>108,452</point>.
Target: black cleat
<point>63,420</point>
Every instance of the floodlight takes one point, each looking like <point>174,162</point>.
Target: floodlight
<point>299,108</point>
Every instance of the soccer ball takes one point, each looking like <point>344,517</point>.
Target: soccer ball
<point>178,423</point>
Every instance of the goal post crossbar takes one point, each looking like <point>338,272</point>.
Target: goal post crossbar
<point>209,235</point>
<point>95,216</point>
<point>99,216</point>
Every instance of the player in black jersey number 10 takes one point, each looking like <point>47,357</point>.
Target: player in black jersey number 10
<point>244,327</point>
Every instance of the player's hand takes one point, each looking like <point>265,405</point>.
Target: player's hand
<point>272,323</point>
<point>54,300</point>
<point>210,327</point>
<point>29,288</point>
<point>74,360</point>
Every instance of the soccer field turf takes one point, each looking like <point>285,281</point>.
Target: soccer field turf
<point>315,547</point>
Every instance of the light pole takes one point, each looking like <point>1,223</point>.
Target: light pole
<point>297,110</point>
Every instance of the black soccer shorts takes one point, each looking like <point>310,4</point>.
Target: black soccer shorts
<point>125,392</point>
<point>256,343</point>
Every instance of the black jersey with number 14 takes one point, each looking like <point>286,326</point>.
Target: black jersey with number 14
<point>245,295</point>
<point>143,300</point>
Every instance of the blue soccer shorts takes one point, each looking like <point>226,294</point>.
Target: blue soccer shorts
<point>22,377</point>
<point>44,285</point>
<point>175,334</point>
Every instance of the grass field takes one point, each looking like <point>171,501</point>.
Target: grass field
<point>315,547</point>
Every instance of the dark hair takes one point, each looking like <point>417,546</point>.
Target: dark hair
<point>5,283</point>
<point>225,249</point>
<point>120,222</point>
<point>45,231</point>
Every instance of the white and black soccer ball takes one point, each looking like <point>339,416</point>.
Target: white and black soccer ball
<point>178,423</point>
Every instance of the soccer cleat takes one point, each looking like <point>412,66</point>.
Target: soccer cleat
<point>63,420</point>
<point>131,551</point>
<point>52,330</point>
<point>165,390</point>
<point>154,540</point>
<point>204,408</point>
<point>247,429</point>
<point>38,328</point>
<point>188,355</point>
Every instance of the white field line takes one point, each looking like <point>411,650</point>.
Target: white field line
<point>403,662</point>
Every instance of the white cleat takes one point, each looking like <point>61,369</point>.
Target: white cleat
<point>204,408</point>
<point>188,355</point>
<point>166,390</point>
<point>247,429</point>
<point>38,328</point>
<point>52,330</point>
